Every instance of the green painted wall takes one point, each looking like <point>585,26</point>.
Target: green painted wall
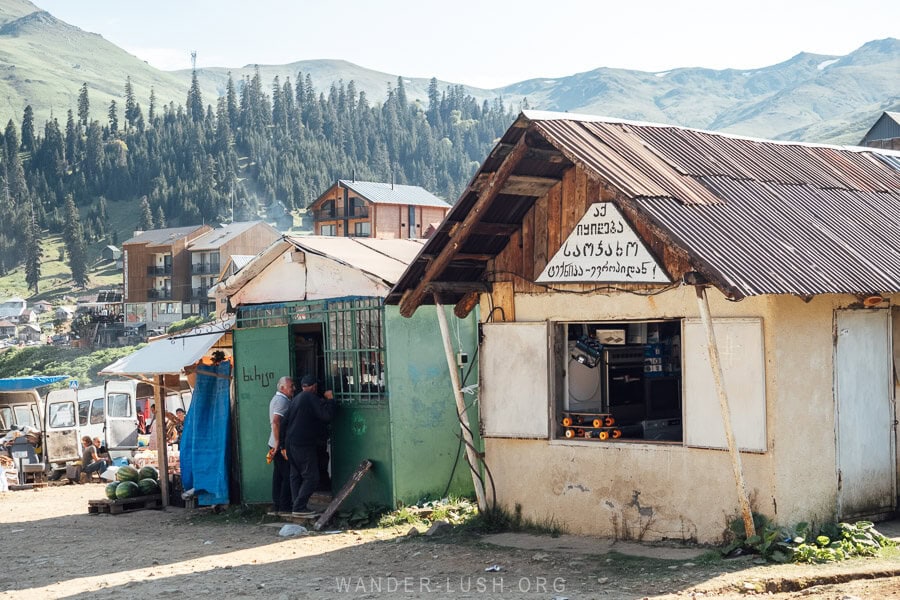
<point>412,439</point>
<point>424,426</point>
<point>360,432</point>
<point>261,357</point>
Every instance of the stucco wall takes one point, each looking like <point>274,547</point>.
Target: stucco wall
<point>644,490</point>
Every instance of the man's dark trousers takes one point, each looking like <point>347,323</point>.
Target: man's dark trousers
<point>304,475</point>
<point>281,484</point>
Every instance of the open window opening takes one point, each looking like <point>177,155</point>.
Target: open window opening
<point>620,381</point>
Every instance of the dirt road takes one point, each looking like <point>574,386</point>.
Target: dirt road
<point>53,549</point>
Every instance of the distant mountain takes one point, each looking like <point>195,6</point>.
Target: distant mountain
<point>44,61</point>
<point>809,97</point>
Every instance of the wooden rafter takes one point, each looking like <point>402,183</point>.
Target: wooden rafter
<point>413,297</point>
<point>520,185</point>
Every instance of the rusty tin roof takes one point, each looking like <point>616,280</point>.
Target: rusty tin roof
<point>753,216</point>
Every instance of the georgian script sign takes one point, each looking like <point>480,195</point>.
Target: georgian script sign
<point>603,248</point>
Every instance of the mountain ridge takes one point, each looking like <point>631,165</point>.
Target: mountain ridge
<point>44,61</point>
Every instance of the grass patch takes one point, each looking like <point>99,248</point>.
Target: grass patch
<point>456,511</point>
<point>499,519</point>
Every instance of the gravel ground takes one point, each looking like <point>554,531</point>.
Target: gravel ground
<point>54,549</point>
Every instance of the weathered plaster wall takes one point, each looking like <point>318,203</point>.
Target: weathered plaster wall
<point>643,490</point>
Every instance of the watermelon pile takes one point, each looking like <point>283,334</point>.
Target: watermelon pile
<point>127,473</point>
<point>127,489</point>
<point>111,489</point>
<point>131,483</point>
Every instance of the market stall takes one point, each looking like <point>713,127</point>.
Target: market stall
<point>198,354</point>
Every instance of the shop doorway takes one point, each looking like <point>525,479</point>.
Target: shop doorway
<point>308,351</point>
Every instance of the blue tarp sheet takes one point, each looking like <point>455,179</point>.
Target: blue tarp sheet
<point>204,444</point>
<point>13,384</point>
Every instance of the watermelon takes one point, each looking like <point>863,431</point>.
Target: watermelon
<point>127,489</point>
<point>127,473</point>
<point>148,472</point>
<point>148,487</point>
<point>111,489</point>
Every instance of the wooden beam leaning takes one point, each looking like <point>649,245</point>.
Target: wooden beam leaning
<point>412,298</point>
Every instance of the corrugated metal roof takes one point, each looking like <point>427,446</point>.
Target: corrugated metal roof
<point>156,237</point>
<point>387,193</point>
<point>212,240</point>
<point>386,259</point>
<point>756,216</point>
<point>241,260</point>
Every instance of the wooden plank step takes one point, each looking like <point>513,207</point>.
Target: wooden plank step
<point>115,507</point>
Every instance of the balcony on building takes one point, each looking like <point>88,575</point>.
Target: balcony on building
<point>205,268</point>
<point>329,213</point>
<point>156,294</point>
<point>155,271</point>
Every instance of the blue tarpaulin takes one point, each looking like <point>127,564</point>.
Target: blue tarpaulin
<point>204,444</point>
<point>14,384</point>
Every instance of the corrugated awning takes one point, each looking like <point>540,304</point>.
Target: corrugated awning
<point>169,355</point>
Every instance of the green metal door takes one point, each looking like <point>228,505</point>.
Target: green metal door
<point>262,356</point>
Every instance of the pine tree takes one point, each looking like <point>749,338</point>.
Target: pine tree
<point>160,218</point>
<point>151,112</point>
<point>84,105</point>
<point>130,104</point>
<point>146,222</point>
<point>194,103</point>
<point>28,129</point>
<point>33,255</point>
<point>73,235</point>
<point>113,117</point>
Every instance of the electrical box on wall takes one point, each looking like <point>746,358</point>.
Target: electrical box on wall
<point>462,359</point>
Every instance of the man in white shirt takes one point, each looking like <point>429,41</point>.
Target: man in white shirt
<point>281,473</point>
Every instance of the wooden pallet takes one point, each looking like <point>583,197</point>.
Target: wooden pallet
<point>115,507</point>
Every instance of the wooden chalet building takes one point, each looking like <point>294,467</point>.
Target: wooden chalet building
<point>376,210</point>
<point>885,133</point>
<point>157,273</point>
<point>168,272</point>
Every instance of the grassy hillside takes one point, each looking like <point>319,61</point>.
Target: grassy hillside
<point>56,285</point>
<point>44,62</point>
<point>79,363</point>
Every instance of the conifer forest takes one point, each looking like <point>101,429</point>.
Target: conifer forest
<point>254,150</point>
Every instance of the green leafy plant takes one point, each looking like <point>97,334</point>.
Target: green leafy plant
<point>858,539</point>
<point>452,510</point>
<point>802,543</point>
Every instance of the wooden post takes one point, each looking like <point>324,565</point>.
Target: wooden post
<point>461,407</point>
<point>159,430</point>
<point>716,366</point>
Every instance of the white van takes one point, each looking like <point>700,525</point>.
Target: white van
<point>114,412</point>
<point>19,409</point>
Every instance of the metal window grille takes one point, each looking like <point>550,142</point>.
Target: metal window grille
<point>353,333</point>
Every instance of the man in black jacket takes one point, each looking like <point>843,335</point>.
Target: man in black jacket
<point>306,418</point>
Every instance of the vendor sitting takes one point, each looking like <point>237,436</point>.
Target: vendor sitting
<point>102,451</point>
<point>90,461</point>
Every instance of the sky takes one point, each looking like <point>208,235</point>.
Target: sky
<point>483,43</point>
